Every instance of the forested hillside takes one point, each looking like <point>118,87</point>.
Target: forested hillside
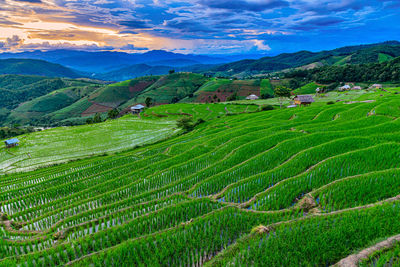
<point>373,53</point>
<point>374,72</point>
<point>35,67</point>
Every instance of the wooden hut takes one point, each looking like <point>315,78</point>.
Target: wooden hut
<point>303,100</point>
<point>12,142</point>
<point>137,109</point>
<point>252,97</point>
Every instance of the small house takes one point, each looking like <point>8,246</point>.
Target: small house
<point>12,142</point>
<point>137,109</point>
<point>377,86</point>
<point>345,87</point>
<point>252,97</point>
<point>357,88</point>
<point>303,100</point>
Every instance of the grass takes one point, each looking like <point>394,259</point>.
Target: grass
<point>266,87</point>
<point>384,57</point>
<point>67,143</point>
<point>307,89</point>
<point>309,180</point>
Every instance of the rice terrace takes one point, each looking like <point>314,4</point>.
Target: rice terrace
<point>283,186</point>
<point>196,133</point>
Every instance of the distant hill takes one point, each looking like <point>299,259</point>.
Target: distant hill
<point>102,62</point>
<point>132,71</point>
<point>35,67</point>
<point>346,55</point>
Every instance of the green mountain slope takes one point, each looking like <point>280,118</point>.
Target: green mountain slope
<point>35,67</point>
<point>25,99</point>
<point>346,55</point>
<point>171,88</point>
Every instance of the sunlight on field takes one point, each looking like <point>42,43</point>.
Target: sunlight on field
<point>67,143</point>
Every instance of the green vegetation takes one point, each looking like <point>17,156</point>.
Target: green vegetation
<point>384,257</point>
<point>35,67</point>
<point>374,53</point>
<point>266,90</point>
<point>373,72</point>
<point>69,143</point>
<point>307,89</point>
<point>286,187</point>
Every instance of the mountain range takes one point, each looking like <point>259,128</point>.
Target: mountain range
<point>119,66</point>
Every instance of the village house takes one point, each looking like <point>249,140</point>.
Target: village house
<point>356,88</point>
<point>377,86</point>
<point>252,97</point>
<point>345,87</point>
<point>303,100</point>
<point>12,142</point>
<point>137,109</point>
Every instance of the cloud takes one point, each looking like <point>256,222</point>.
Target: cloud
<point>245,5</point>
<point>131,47</point>
<point>128,32</point>
<point>29,1</point>
<point>11,43</point>
<point>134,24</point>
<point>201,26</point>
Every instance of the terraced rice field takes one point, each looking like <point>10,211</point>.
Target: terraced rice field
<point>293,187</point>
<point>57,145</point>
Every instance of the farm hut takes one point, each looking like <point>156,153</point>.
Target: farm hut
<point>345,87</point>
<point>137,109</point>
<point>292,106</point>
<point>357,88</point>
<point>12,142</point>
<point>377,86</point>
<point>303,100</point>
<point>252,97</point>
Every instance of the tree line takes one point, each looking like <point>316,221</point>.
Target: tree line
<point>373,72</point>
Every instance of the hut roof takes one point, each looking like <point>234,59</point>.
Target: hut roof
<point>12,141</point>
<point>252,97</point>
<point>137,107</point>
<point>305,98</point>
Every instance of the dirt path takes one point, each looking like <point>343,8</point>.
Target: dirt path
<point>353,260</point>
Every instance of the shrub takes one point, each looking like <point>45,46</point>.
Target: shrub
<point>266,107</point>
<point>330,103</point>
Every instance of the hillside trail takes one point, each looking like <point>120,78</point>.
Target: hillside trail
<point>354,259</point>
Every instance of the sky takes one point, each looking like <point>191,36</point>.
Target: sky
<point>196,26</point>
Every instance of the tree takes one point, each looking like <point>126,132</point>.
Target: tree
<point>294,84</point>
<point>233,97</point>
<point>186,123</point>
<point>113,113</point>
<point>148,101</point>
<point>266,96</point>
<point>282,93</point>
<point>97,118</point>
<point>174,100</point>
<point>171,71</point>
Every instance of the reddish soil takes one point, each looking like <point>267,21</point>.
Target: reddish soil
<point>242,91</point>
<point>95,108</point>
<point>140,86</point>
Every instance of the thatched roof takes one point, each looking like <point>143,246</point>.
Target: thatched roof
<point>305,98</point>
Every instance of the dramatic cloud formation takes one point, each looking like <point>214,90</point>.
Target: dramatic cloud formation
<point>196,26</point>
